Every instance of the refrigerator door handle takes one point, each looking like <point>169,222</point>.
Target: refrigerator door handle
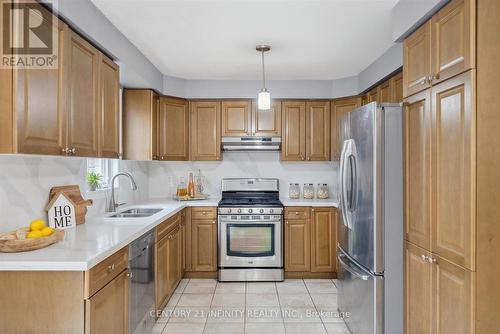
<point>342,183</point>
<point>353,162</point>
<point>348,151</point>
<point>356,272</point>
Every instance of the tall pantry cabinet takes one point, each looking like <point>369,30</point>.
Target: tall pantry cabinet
<point>452,155</point>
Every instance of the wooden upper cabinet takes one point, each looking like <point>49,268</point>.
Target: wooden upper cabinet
<point>318,130</point>
<point>373,95</point>
<point>267,123</point>
<point>205,130</point>
<point>107,310</point>
<point>385,92</point>
<point>140,124</point>
<point>453,169</point>
<point>236,118</point>
<point>204,245</point>
<point>294,131</point>
<point>323,240</point>
<point>39,104</point>
<point>297,239</point>
<point>417,60</point>
<point>173,120</point>
<point>453,305</point>
<point>364,99</point>
<point>418,290</point>
<point>417,157</point>
<point>340,107</point>
<point>109,109</point>
<point>397,88</point>
<point>83,102</point>
<point>453,39</point>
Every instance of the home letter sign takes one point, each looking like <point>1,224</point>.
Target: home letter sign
<point>61,212</point>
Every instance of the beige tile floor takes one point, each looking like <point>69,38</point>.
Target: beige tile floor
<point>204,306</point>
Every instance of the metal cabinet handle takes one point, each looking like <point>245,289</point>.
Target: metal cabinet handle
<point>424,257</point>
<point>73,150</point>
<point>155,157</point>
<point>301,157</point>
<point>296,213</point>
<point>65,150</point>
<point>130,275</point>
<point>111,268</point>
<point>308,158</point>
<point>287,222</point>
<point>431,260</point>
<point>213,222</point>
<point>423,81</point>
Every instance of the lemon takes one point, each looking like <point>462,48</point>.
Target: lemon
<point>46,231</point>
<point>34,234</point>
<point>37,225</point>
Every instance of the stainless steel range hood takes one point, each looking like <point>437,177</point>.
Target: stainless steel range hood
<point>251,144</point>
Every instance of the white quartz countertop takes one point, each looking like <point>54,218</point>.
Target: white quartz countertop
<point>88,244</point>
<point>310,202</point>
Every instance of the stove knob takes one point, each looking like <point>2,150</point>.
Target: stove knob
<point>239,210</point>
<point>261,210</point>
<point>250,210</point>
<point>229,210</point>
<point>271,210</point>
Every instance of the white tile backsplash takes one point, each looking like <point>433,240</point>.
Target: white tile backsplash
<point>26,180</point>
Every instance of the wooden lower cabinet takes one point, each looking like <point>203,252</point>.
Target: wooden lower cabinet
<point>310,240</point>
<point>323,240</point>
<point>168,264</point>
<point>418,290</point>
<point>204,244</point>
<point>297,244</point>
<point>107,310</point>
<point>439,295</point>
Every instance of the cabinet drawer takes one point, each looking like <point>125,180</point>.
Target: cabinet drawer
<point>164,228</point>
<point>297,212</point>
<point>203,213</point>
<point>105,271</point>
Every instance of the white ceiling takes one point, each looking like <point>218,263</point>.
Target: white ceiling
<point>215,39</point>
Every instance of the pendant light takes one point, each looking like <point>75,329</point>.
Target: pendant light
<point>264,98</point>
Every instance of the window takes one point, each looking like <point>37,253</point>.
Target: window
<point>106,168</point>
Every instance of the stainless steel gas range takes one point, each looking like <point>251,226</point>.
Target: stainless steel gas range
<point>250,231</point>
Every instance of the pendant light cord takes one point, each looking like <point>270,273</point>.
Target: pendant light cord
<point>263,72</point>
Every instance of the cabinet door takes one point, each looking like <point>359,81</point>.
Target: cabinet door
<point>204,245</point>
<point>416,61</point>
<point>107,310</point>
<point>236,118</point>
<point>318,131</point>
<point>83,60</point>
<point>453,294</point>
<point>297,245</point>
<point>323,240</point>
<point>109,109</point>
<point>453,170</point>
<point>373,95</point>
<point>417,290</point>
<point>173,120</point>
<point>161,272</point>
<point>294,131</point>
<point>182,242</point>
<point>267,123</point>
<point>453,40</point>
<point>385,92</point>
<point>39,100</point>
<point>397,88</point>
<point>205,130</point>
<point>173,268</point>
<point>417,177</point>
<point>364,99</point>
<point>340,108</point>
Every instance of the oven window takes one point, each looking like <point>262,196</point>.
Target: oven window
<point>250,240</point>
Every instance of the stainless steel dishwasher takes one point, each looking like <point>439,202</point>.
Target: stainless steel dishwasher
<point>142,285</point>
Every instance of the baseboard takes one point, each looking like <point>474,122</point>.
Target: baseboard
<point>200,274</point>
<point>308,274</point>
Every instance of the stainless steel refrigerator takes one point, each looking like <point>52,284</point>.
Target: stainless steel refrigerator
<point>370,237</point>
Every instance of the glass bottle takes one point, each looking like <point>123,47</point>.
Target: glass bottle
<point>191,186</point>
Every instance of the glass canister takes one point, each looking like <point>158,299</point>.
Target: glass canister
<point>308,191</point>
<point>182,187</point>
<point>322,191</point>
<point>294,191</point>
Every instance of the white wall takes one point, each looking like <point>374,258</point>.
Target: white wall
<point>390,61</point>
<point>407,15</point>
<point>135,69</point>
<point>163,176</point>
<point>26,181</point>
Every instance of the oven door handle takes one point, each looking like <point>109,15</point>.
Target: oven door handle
<point>275,221</point>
